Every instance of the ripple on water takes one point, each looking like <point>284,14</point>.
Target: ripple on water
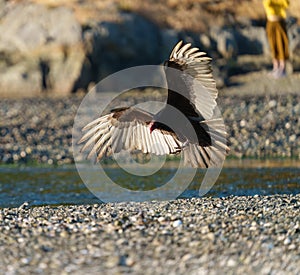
<point>62,185</point>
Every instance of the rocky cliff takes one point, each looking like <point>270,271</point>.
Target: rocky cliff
<point>48,48</point>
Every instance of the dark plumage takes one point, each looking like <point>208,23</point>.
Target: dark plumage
<point>135,129</point>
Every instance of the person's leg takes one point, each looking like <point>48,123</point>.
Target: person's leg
<point>282,45</point>
<point>276,65</point>
<point>271,35</point>
<point>282,65</point>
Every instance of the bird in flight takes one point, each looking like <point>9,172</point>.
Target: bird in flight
<point>196,132</point>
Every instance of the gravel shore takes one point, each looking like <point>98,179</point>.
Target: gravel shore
<point>39,130</point>
<point>232,235</point>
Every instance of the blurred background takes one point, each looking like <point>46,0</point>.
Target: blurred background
<point>65,46</point>
<point>53,51</point>
<point>62,48</point>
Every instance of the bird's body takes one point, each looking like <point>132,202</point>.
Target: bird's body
<point>195,132</point>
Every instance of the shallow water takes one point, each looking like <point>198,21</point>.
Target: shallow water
<point>63,185</point>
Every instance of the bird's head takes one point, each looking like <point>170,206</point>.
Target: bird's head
<point>152,126</point>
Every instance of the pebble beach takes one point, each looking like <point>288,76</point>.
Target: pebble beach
<point>232,235</point>
<point>259,124</point>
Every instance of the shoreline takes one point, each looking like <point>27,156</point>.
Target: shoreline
<point>228,163</point>
<point>235,235</point>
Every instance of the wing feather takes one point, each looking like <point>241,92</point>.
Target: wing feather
<point>190,51</point>
<point>92,124</point>
<point>92,131</point>
<point>117,143</point>
<point>101,141</point>
<point>125,136</point>
<point>176,48</point>
<point>196,81</point>
<point>104,149</point>
<point>183,49</point>
<point>128,141</point>
<point>126,129</point>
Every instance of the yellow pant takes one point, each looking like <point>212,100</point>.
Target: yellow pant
<point>278,39</point>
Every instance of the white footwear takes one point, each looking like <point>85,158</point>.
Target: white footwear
<point>279,73</point>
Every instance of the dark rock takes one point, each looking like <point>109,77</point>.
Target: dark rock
<point>225,41</point>
<point>294,40</point>
<point>113,46</point>
<point>252,40</point>
<point>169,38</point>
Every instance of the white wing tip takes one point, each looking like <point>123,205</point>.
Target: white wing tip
<point>185,50</point>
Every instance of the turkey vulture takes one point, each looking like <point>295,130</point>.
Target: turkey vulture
<point>192,92</point>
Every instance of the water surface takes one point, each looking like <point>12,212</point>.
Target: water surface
<point>62,185</point>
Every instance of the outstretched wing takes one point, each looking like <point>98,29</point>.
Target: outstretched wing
<point>127,129</point>
<point>192,89</point>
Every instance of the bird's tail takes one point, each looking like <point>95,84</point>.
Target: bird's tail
<point>212,155</point>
